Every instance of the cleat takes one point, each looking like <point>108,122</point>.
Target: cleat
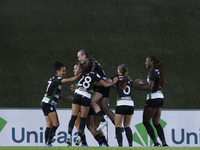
<point>165,145</point>
<point>69,139</point>
<point>78,140</point>
<point>48,144</point>
<point>102,145</point>
<point>102,125</point>
<point>84,145</point>
<point>157,145</point>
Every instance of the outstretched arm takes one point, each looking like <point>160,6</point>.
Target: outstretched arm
<point>149,86</point>
<point>64,80</point>
<point>140,81</point>
<point>108,80</point>
<point>107,84</point>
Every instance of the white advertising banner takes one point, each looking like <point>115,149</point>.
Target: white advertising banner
<point>26,127</point>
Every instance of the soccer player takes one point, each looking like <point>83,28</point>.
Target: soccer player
<point>50,100</point>
<point>92,121</point>
<point>124,106</point>
<point>100,94</point>
<point>78,120</point>
<point>82,97</point>
<point>155,98</point>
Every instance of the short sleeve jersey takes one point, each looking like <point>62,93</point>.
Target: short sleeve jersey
<point>124,95</point>
<point>53,90</point>
<point>85,84</point>
<point>154,75</point>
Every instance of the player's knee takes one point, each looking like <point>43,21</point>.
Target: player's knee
<point>155,122</point>
<point>56,124</point>
<point>145,123</point>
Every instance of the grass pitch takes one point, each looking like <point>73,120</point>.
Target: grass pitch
<point>98,148</point>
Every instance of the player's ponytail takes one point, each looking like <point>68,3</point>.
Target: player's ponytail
<point>124,70</point>
<point>158,65</point>
<point>87,67</point>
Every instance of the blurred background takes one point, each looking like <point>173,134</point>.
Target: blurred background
<point>36,33</point>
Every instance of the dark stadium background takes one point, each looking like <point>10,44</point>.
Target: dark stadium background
<point>36,33</point>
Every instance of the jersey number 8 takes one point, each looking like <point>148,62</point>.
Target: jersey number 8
<point>86,82</point>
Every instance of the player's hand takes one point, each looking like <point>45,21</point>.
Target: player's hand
<point>69,98</point>
<point>139,81</point>
<point>108,80</point>
<point>73,87</point>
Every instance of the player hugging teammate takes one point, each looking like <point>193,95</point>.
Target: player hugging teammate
<point>91,100</point>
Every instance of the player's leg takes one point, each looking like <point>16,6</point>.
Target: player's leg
<point>156,122</point>
<point>55,123</point>
<point>49,125</point>
<point>147,115</point>
<point>76,104</point>
<point>96,97</point>
<point>75,111</point>
<point>100,134</point>
<point>51,120</point>
<point>90,124</point>
<point>129,135</point>
<point>84,113</point>
<point>78,120</point>
<point>118,124</point>
<point>104,101</point>
<point>77,124</point>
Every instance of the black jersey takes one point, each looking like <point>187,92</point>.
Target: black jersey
<point>53,90</point>
<point>98,69</point>
<point>124,96</point>
<point>85,84</point>
<point>154,75</point>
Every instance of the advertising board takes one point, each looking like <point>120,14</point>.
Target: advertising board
<point>26,127</point>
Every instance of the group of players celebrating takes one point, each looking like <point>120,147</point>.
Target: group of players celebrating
<point>91,101</point>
